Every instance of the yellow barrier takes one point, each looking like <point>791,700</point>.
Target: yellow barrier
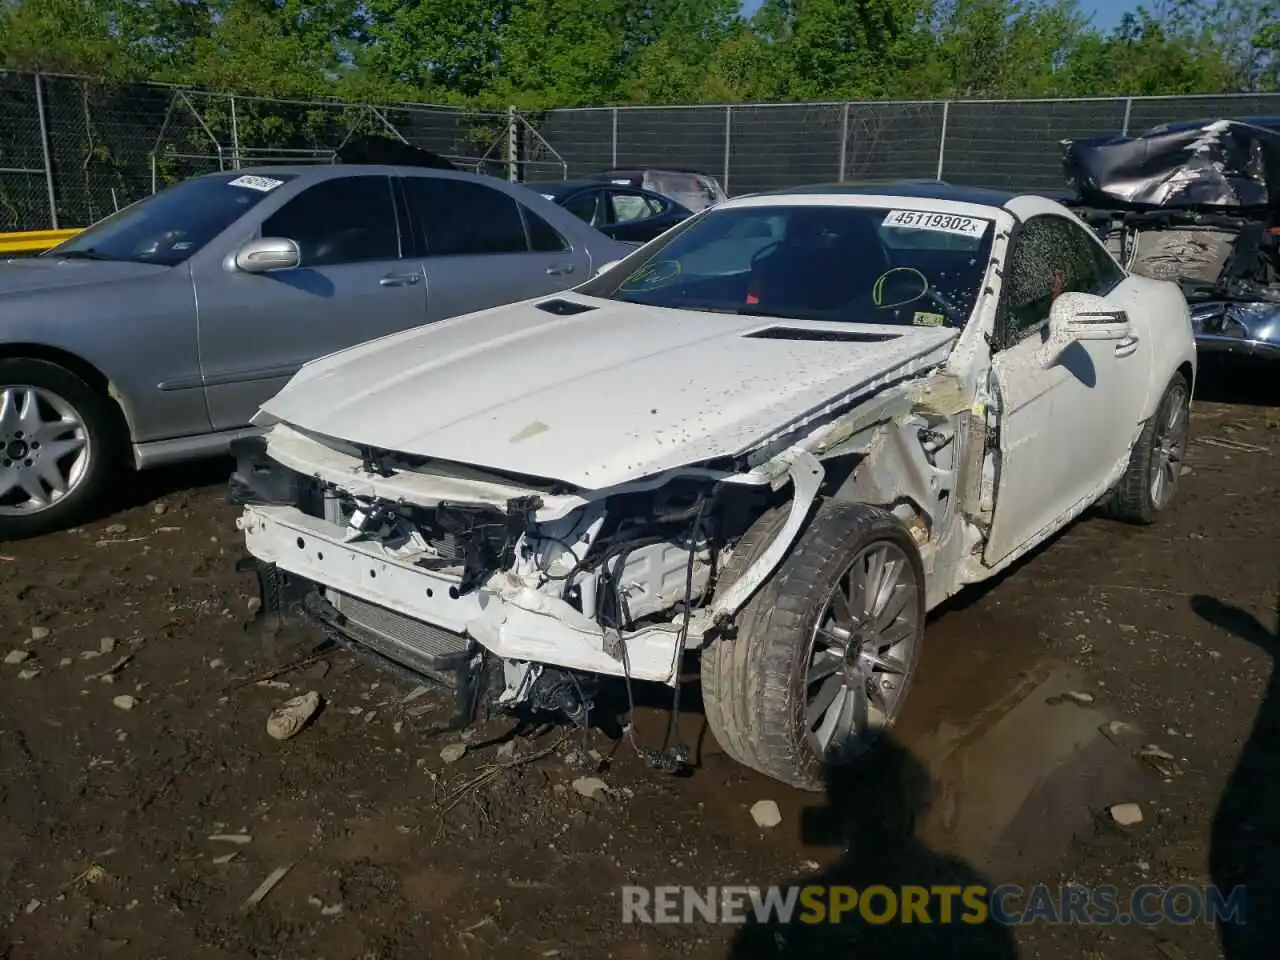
<point>34,241</point>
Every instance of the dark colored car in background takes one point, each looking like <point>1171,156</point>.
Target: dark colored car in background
<point>694,190</point>
<point>623,213</point>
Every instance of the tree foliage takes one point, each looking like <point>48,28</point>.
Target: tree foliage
<point>545,53</point>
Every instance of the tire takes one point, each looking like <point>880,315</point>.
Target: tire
<point>28,465</point>
<point>1158,453</point>
<point>756,686</point>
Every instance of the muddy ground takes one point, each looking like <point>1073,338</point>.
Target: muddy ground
<point>108,815</point>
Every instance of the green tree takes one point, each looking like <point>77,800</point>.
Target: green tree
<point>1147,56</point>
<point>843,48</point>
<point>443,48</point>
<point>60,36</point>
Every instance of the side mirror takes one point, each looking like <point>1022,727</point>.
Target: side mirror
<point>267,254</point>
<point>606,266</point>
<point>1080,316</point>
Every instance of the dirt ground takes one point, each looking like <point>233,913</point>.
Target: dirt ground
<point>114,822</point>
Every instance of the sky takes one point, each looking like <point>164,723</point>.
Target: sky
<point>1106,13</point>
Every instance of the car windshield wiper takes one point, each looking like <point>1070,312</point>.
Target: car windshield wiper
<point>89,254</point>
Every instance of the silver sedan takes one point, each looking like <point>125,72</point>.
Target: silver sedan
<point>154,335</point>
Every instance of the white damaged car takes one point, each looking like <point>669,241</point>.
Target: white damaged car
<point>777,435</point>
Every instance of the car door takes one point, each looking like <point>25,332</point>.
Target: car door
<point>631,216</point>
<point>352,285</point>
<point>1061,429</point>
<point>484,248</point>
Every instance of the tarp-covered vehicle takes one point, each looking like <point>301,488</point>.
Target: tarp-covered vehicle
<point>1197,202</point>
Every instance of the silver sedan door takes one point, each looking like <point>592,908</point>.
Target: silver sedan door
<point>352,285</point>
<point>485,248</point>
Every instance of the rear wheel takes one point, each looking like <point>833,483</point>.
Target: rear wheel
<point>825,651</point>
<point>1155,465</point>
<point>57,448</point>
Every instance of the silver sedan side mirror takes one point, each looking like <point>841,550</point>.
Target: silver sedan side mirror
<point>267,254</point>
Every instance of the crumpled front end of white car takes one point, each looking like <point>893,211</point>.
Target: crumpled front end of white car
<point>429,566</point>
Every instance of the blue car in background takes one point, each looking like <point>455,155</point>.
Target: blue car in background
<point>625,213</point>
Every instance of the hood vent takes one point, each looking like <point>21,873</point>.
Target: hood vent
<point>564,308</point>
<point>821,336</point>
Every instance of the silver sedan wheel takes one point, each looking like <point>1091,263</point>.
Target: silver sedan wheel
<point>862,653</point>
<point>1170,446</point>
<point>44,449</point>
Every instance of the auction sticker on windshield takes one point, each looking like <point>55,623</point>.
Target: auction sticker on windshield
<point>941,222</point>
<point>265,184</point>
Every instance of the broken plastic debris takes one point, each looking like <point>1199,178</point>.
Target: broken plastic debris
<point>238,838</point>
<point>1071,696</point>
<point>593,788</point>
<point>267,885</point>
<point>1163,762</point>
<point>289,718</point>
<point>453,752</point>
<point>414,694</point>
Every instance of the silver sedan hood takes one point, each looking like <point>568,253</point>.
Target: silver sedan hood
<point>52,273</point>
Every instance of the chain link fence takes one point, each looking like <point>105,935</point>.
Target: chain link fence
<point>73,151</point>
<point>1009,144</point>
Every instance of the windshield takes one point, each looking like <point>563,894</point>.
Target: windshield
<point>841,263</point>
<point>174,224</point>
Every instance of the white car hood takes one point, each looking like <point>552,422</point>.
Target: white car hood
<point>596,398</point>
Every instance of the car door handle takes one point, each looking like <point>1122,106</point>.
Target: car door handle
<point>1127,347</point>
<point>400,279</point>
<point>560,269</point>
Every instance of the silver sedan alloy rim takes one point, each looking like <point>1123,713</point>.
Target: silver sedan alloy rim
<point>1170,448</point>
<point>861,653</point>
<point>44,449</point>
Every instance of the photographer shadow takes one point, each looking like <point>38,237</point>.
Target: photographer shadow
<point>1245,840</point>
<point>871,813</point>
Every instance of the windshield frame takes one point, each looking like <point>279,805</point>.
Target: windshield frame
<point>606,285</point>
<point>83,245</point>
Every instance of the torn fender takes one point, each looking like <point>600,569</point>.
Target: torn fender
<point>806,473</point>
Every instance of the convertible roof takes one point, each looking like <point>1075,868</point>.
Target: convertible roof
<point>922,189</point>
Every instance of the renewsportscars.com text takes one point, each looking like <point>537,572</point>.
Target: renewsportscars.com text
<point>1008,905</point>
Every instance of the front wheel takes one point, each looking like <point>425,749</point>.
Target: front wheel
<point>56,448</point>
<point>1155,465</point>
<point>826,649</point>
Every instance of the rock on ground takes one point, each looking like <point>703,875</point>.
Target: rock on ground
<point>766,814</point>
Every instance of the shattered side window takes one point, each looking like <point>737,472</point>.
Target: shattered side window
<point>1052,256</point>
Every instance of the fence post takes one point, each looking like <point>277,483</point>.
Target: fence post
<point>235,134</point>
<point>728,144</point>
<point>513,145</point>
<point>942,140</point>
<point>844,139</point>
<point>613,161</point>
<point>1128,109</point>
<point>44,149</point>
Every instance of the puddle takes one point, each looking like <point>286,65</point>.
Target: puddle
<point>1016,769</point>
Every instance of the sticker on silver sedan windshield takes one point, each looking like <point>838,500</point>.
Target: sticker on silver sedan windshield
<point>264,184</point>
<point>941,222</point>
